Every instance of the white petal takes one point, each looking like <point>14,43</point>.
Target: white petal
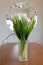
<point>24,14</point>
<point>28,19</point>
<point>35,24</point>
<point>35,18</point>
<point>19,16</point>
<point>10,24</point>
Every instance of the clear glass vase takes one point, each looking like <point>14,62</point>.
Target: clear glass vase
<point>23,48</point>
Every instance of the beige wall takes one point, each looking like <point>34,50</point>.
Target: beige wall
<point>37,33</point>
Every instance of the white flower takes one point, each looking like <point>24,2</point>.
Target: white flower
<point>28,19</point>
<point>19,16</point>
<point>10,24</point>
<point>35,18</point>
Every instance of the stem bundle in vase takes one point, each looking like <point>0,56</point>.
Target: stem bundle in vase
<point>23,29</point>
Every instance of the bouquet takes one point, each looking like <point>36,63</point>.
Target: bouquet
<point>23,26</point>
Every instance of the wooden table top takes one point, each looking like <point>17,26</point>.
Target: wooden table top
<point>9,54</point>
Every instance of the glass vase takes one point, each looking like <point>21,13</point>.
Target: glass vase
<point>23,50</point>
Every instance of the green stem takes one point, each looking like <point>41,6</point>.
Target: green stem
<point>23,49</point>
<point>4,41</point>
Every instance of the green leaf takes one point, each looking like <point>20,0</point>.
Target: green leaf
<point>22,27</point>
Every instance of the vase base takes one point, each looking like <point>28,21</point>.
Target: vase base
<point>23,59</point>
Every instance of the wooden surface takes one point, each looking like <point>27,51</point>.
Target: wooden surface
<point>9,54</point>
